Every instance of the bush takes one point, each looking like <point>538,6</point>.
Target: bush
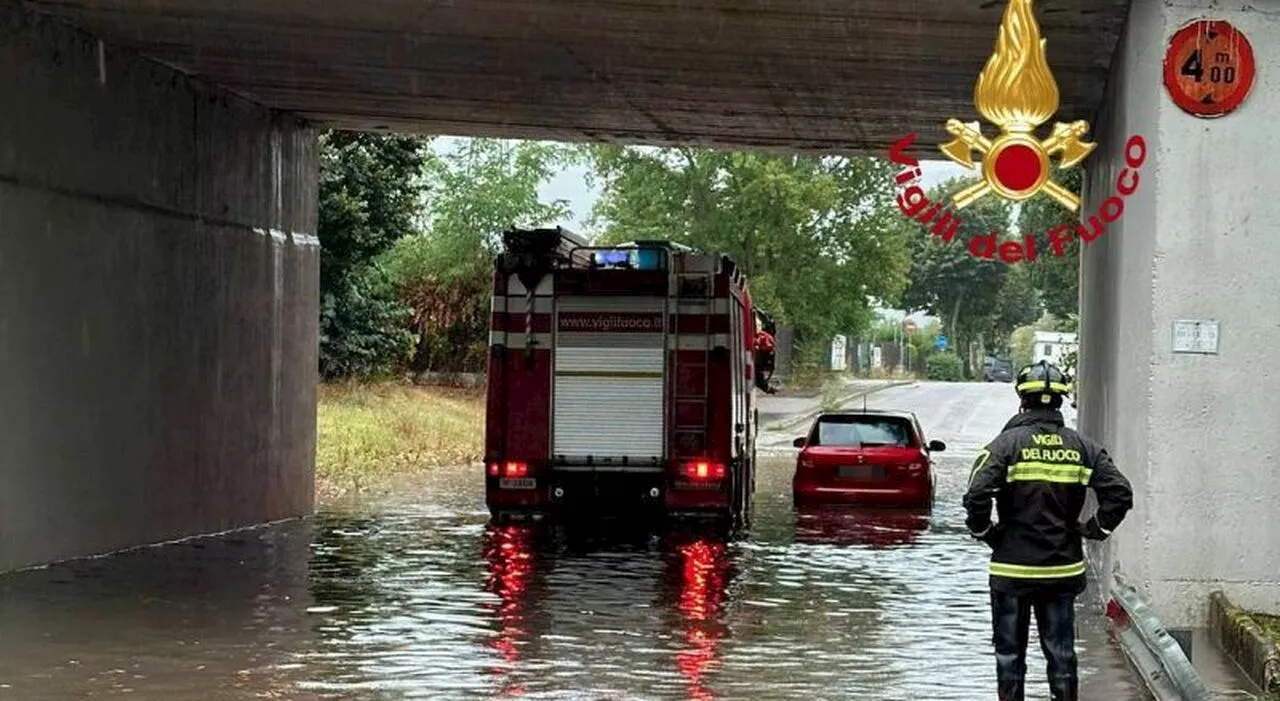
<point>946,367</point>
<point>362,329</point>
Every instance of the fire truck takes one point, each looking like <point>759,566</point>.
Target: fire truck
<point>619,377</point>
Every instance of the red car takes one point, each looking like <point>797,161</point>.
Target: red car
<point>870,457</point>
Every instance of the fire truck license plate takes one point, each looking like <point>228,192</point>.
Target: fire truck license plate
<point>517,483</point>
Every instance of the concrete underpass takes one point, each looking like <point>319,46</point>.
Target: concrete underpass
<point>158,264</point>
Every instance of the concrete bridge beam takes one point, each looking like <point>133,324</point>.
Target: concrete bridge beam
<point>158,301</point>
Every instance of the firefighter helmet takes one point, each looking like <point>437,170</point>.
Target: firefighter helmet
<point>1044,380</point>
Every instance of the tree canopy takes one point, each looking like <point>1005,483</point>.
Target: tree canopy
<point>443,271</point>
<point>369,193</point>
<point>978,300</point>
<point>815,236</point>
<point>1056,277</point>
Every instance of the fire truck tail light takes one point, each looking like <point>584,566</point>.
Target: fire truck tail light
<point>704,470</point>
<point>493,469</point>
<point>515,469</point>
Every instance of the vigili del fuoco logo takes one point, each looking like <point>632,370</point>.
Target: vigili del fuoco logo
<point>1017,93</point>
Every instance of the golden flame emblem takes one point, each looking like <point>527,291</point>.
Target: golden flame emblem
<point>1016,92</point>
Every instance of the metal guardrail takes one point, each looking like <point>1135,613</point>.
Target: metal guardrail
<point>1155,653</point>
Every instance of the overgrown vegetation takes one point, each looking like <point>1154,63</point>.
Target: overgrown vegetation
<point>369,194</point>
<point>946,367</point>
<point>1270,625</point>
<point>367,431</point>
<point>443,270</point>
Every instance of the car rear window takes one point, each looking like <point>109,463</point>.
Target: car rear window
<point>862,431</point>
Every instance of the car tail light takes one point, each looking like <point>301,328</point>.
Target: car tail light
<point>915,467</point>
<point>704,470</point>
<point>806,464</point>
<point>508,469</point>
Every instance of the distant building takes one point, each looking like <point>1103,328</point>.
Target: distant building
<point>1052,346</point>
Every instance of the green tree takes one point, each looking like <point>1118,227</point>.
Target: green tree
<point>479,189</point>
<point>1018,304</point>
<point>1057,277</point>
<point>369,191</point>
<point>977,299</point>
<point>816,236</point>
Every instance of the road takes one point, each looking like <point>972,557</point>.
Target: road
<point>418,598</point>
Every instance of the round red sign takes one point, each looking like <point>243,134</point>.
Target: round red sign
<point>1208,68</point>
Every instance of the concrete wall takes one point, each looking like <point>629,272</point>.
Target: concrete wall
<point>157,339</point>
<point>1197,435</point>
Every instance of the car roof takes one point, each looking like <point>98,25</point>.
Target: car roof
<point>899,413</point>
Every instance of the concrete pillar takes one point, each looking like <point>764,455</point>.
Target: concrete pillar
<point>158,301</point>
<point>1198,435</point>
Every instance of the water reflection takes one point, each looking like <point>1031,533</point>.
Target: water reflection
<point>613,610</point>
<point>859,527</point>
<point>423,599</point>
<point>509,552</point>
<point>702,572</point>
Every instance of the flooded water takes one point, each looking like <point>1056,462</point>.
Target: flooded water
<point>419,598</point>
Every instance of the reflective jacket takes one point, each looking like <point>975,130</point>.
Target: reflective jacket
<point>1038,471</point>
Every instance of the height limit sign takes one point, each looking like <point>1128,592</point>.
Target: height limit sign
<point>1208,68</point>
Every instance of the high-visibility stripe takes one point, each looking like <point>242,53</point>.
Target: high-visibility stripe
<point>978,463</point>
<point>1062,473</point>
<point>1034,385</point>
<point>1001,569</point>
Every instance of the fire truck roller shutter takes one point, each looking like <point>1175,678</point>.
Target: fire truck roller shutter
<point>610,367</point>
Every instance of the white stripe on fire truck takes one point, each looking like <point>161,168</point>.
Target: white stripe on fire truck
<point>518,304</point>
<point>685,341</point>
<point>517,338</point>
<point>719,305</point>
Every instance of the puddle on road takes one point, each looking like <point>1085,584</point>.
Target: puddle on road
<point>426,601</point>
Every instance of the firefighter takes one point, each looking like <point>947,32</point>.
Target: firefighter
<point>765,352</point>
<point>1038,472</point>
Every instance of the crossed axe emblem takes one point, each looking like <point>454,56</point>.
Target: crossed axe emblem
<point>1020,146</point>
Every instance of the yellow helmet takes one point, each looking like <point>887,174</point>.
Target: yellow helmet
<point>1043,379</point>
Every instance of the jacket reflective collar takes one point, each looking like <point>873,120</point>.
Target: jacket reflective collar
<point>1031,417</point>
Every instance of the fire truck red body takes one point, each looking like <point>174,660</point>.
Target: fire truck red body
<point>619,377</point>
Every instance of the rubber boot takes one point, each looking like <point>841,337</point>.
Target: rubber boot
<point>1011,690</point>
<point>1064,689</point>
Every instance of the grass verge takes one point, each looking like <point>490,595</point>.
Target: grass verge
<point>368,432</point>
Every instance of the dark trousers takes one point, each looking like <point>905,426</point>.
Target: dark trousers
<point>1056,623</point>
